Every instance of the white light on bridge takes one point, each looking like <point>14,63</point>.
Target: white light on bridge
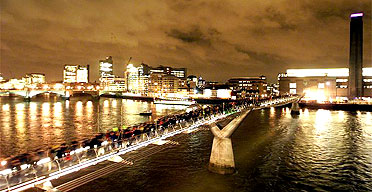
<point>6,107</point>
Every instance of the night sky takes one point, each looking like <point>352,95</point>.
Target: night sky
<point>217,39</point>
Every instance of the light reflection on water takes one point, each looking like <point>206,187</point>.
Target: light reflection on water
<point>318,150</point>
<point>42,123</point>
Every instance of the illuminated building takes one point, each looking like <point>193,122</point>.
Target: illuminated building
<point>161,84</point>
<point>201,83</point>
<point>106,69</point>
<point>76,74</point>
<point>69,73</point>
<point>221,91</point>
<point>82,74</point>
<point>178,72</point>
<point>138,78</point>
<point>35,78</point>
<point>326,84</point>
<point>356,55</point>
<point>13,84</point>
<point>273,89</point>
<point>321,83</point>
<point>249,86</point>
<point>118,84</point>
<point>192,81</point>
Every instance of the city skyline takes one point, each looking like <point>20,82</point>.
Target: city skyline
<point>41,37</point>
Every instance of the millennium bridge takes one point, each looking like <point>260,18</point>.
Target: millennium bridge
<point>40,173</point>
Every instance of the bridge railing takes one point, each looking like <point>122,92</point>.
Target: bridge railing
<point>83,155</point>
<point>80,157</point>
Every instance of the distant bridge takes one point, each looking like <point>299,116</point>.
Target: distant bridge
<point>27,94</point>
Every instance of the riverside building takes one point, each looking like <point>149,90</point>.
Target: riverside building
<point>354,82</point>
<point>154,81</point>
<point>249,87</point>
<point>76,74</point>
<point>322,84</point>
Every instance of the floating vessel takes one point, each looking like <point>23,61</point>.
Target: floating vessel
<point>148,113</point>
<point>173,101</point>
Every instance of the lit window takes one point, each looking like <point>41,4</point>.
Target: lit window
<point>292,91</point>
<point>292,85</point>
<point>341,80</point>
<point>320,85</point>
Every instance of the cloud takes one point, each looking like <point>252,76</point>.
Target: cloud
<point>217,39</point>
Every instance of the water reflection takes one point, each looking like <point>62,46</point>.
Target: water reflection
<point>319,150</point>
<point>47,122</point>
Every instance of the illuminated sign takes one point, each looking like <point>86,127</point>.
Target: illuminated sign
<point>356,15</point>
<point>330,72</point>
<point>335,72</point>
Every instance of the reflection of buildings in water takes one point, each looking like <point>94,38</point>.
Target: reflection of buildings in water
<point>272,111</point>
<point>341,115</point>
<point>20,126</point>
<point>57,115</point>
<point>5,119</point>
<point>306,112</point>
<point>5,107</point>
<point>79,110</point>
<point>67,103</point>
<point>89,110</point>
<point>322,119</point>
<point>45,111</point>
<point>20,118</point>
<point>114,103</point>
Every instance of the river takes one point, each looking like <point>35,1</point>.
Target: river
<point>48,121</point>
<point>319,150</point>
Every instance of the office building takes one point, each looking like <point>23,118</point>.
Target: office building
<point>35,78</point>
<point>70,73</point>
<point>76,74</point>
<point>82,74</point>
<point>138,78</point>
<point>118,84</point>
<point>106,69</point>
<point>164,85</point>
<point>178,72</point>
<point>245,87</point>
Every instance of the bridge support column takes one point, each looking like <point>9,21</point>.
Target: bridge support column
<point>96,97</point>
<point>66,95</point>
<point>27,97</point>
<point>295,108</point>
<point>222,155</point>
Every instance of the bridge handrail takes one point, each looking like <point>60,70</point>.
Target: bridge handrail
<point>78,158</point>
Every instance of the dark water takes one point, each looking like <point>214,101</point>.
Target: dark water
<point>319,150</point>
<point>47,121</point>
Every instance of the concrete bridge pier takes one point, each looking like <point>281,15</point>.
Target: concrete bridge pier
<point>27,96</point>
<point>295,108</point>
<point>26,99</point>
<point>222,155</point>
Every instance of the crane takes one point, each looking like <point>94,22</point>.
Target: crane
<point>130,58</point>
